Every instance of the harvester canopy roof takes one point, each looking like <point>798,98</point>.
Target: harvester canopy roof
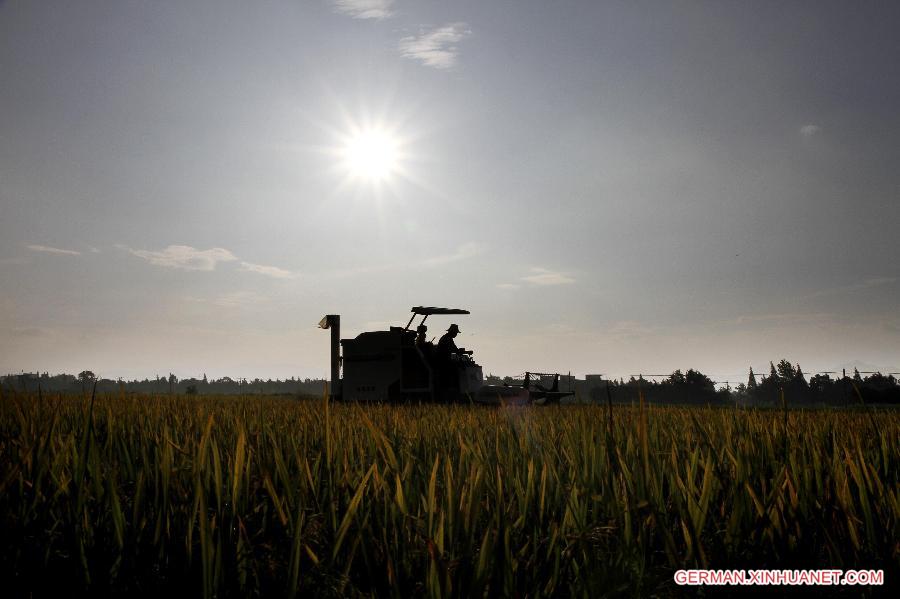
<point>429,310</point>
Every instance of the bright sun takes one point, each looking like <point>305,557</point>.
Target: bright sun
<point>371,154</point>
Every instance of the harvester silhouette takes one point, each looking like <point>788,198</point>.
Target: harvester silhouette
<point>397,366</point>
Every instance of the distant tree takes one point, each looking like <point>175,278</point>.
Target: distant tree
<point>797,387</point>
<point>879,381</point>
<point>87,379</point>
<point>697,379</point>
<point>751,381</point>
<point>824,389</point>
<point>676,378</point>
<point>820,382</point>
<point>769,386</point>
<point>799,380</point>
<point>191,390</point>
<point>785,371</point>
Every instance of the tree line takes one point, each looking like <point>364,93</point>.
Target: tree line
<point>84,382</point>
<point>784,380</point>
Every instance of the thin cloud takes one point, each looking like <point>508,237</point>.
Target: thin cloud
<point>507,286</point>
<point>463,252</point>
<point>269,271</point>
<point>232,299</point>
<point>436,48</point>
<point>809,130</point>
<point>29,332</point>
<point>867,284</point>
<point>791,317</point>
<point>544,277</point>
<point>629,328</point>
<point>559,328</point>
<point>51,250</point>
<point>365,9</point>
<point>240,299</point>
<point>185,257</point>
<point>891,326</point>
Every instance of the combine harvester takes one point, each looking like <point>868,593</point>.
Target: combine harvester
<point>397,366</point>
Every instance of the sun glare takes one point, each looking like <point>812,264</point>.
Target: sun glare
<point>371,155</point>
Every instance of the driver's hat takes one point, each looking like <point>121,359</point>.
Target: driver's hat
<point>452,328</point>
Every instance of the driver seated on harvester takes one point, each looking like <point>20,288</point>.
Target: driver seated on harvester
<point>420,335</point>
<point>446,347</point>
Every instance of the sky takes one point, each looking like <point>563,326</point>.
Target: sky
<point>608,187</point>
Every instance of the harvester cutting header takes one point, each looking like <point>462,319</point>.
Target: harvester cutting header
<point>400,365</point>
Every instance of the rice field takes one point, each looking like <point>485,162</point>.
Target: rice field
<point>226,496</point>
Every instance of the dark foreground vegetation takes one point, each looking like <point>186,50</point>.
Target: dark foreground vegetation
<point>233,497</point>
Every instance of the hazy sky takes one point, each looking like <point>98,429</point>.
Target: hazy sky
<point>609,187</point>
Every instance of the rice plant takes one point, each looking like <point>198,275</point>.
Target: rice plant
<point>224,496</point>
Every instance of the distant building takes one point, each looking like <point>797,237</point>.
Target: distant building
<point>594,380</point>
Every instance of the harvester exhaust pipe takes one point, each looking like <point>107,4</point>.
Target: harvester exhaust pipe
<point>333,322</point>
